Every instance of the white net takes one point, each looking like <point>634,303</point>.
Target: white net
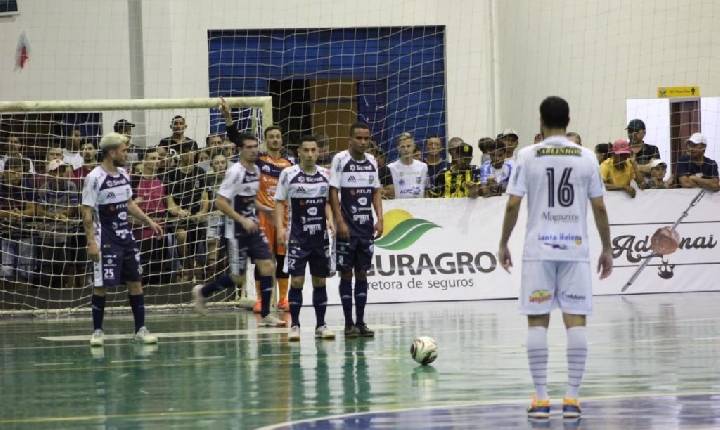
<point>174,177</point>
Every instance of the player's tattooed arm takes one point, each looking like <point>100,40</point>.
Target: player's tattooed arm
<point>92,247</point>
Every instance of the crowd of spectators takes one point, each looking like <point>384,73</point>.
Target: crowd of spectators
<point>175,183</point>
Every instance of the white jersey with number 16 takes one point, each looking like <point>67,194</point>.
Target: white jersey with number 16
<point>559,178</point>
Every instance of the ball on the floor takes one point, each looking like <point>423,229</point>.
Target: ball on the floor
<point>665,241</point>
<point>424,350</point>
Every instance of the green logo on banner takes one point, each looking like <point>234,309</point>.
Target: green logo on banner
<point>402,230</point>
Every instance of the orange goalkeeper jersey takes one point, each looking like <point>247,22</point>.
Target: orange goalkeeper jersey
<point>270,169</point>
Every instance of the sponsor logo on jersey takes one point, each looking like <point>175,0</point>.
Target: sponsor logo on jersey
<point>363,201</point>
<point>558,151</point>
<point>312,211</point>
<point>301,179</point>
<point>361,219</point>
<point>560,218</point>
<point>540,296</point>
<point>352,179</point>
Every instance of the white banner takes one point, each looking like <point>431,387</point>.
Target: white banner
<point>445,249</point>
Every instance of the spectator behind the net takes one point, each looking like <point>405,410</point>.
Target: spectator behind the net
<point>178,140</point>
<point>509,139</point>
<point>642,152</point>
<point>603,151</point>
<point>434,158</point>
<point>17,207</point>
<point>125,127</point>
<point>407,175</point>
<point>90,161</point>
<point>215,228</point>
<point>203,160</point>
<point>461,178</point>
<point>214,144</point>
<point>620,170</point>
<point>496,168</point>
<point>324,155</point>
<point>656,180</point>
<point>230,151</point>
<point>13,148</point>
<point>383,170</point>
<point>150,194</point>
<point>574,137</point>
<point>73,147</point>
<point>187,189</point>
<point>695,170</point>
<point>57,206</point>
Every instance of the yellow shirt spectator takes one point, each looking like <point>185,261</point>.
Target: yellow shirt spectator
<point>618,176</point>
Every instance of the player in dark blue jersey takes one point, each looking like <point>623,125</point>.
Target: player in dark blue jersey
<point>304,189</point>
<point>106,204</point>
<point>354,192</point>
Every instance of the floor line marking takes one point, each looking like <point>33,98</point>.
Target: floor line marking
<point>52,364</point>
<point>134,360</point>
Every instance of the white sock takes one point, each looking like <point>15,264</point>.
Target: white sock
<point>537,351</point>
<point>576,357</point>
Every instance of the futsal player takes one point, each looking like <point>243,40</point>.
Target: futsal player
<point>106,204</point>
<point>354,192</point>
<point>559,178</point>
<point>303,189</point>
<point>236,199</point>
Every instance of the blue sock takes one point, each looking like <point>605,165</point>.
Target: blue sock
<point>98,311</point>
<point>320,304</point>
<point>361,288</point>
<point>266,287</point>
<point>218,284</point>
<point>296,300</point>
<point>346,299</point>
<point>137,303</point>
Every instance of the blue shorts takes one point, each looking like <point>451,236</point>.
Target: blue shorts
<point>242,247</point>
<point>354,254</point>
<point>299,256</point>
<point>118,264</point>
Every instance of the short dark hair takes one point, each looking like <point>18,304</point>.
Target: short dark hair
<point>247,136</point>
<point>176,117</point>
<point>211,135</point>
<point>555,112</point>
<point>433,136</point>
<point>603,148</point>
<point>358,125</point>
<point>308,138</point>
<point>486,144</point>
<point>271,128</point>
<point>150,151</point>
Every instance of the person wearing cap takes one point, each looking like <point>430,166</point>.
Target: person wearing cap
<point>641,151</point>
<point>695,170</point>
<point>620,170</point>
<point>656,180</point>
<point>460,179</point>
<point>125,127</point>
<point>107,202</point>
<point>509,138</point>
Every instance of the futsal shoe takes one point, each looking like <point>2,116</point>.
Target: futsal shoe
<point>539,409</point>
<point>199,300</point>
<point>364,330</point>
<point>97,339</point>
<point>283,305</point>
<point>351,331</point>
<point>143,336</point>
<point>571,408</point>
<point>323,332</point>
<point>271,320</point>
<point>294,335</point>
<point>257,307</point>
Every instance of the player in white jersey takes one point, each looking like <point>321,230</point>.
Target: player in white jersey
<point>106,203</point>
<point>304,190</point>
<point>559,178</point>
<point>409,176</point>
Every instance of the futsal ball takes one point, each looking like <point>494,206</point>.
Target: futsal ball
<point>424,350</point>
<point>665,241</point>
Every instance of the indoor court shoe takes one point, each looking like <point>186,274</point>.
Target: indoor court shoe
<point>283,305</point>
<point>199,300</point>
<point>97,339</point>
<point>323,332</point>
<point>294,335</point>
<point>539,409</point>
<point>571,408</point>
<point>272,321</point>
<point>143,336</point>
<point>364,331</point>
<point>351,331</point>
<point>257,307</point>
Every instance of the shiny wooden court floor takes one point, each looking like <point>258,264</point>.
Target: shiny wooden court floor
<point>654,363</point>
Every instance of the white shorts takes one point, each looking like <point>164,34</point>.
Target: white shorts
<point>547,285</point>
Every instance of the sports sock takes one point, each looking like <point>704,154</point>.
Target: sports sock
<point>98,311</point>
<point>266,287</point>
<point>320,304</point>
<point>346,299</point>
<point>221,282</point>
<point>576,358</point>
<point>361,288</point>
<point>295,298</point>
<point>537,351</point>
<point>137,303</point>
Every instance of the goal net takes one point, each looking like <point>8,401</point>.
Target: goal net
<point>177,156</point>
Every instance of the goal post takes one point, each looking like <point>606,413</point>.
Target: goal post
<point>44,269</point>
